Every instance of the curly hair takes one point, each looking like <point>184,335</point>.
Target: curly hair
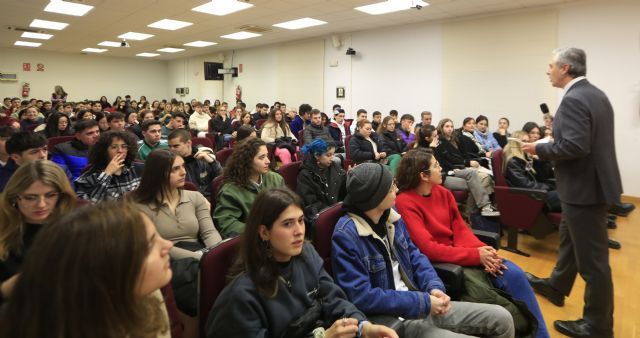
<point>98,155</point>
<point>413,163</point>
<point>240,164</point>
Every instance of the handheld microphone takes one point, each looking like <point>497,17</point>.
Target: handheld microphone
<point>544,108</point>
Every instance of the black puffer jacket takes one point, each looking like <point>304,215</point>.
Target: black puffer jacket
<point>520,174</point>
<point>361,150</point>
<point>391,143</point>
<point>449,156</point>
<point>201,173</point>
<point>319,187</point>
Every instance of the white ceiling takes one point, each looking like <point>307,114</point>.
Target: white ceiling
<point>111,18</point>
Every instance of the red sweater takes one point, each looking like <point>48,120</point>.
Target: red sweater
<point>437,229</point>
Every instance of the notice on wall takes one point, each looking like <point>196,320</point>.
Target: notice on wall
<point>40,67</point>
<point>26,66</point>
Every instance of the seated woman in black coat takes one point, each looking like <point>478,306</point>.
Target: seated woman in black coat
<point>279,280</point>
<point>544,169</point>
<point>366,147</point>
<point>519,172</point>
<point>321,181</point>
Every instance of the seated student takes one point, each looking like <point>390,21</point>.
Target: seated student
<point>178,121</point>
<point>200,163</point>
<point>339,129</point>
<point>278,278</point>
<point>29,119</point>
<point>469,145</point>
<point>438,230</point>
<point>321,181</point>
<point>365,147</point>
<point>221,124</point>
<point>376,120</point>
<point>390,142</point>
<point>406,128</point>
<point>302,119</point>
<point>199,120</point>
<point>245,132</point>
<point>425,119</point>
<point>381,270</point>
<point>5,133</point>
<point>22,147</point>
<point>454,163</point>
<point>152,139</point>
<point>57,125</point>
<point>277,131</point>
<point>518,169</point>
<point>74,154</point>
<point>116,121</point>
<point>103,121</point>
<point>502,133</point>
<point>84,115</point>
<point>544,169</point>
<point>316,129</point>
<point>361,114</point>
<point>38,192</point>
<point>246,173</point>
<point>111,172</point>
<point>483,135</point>
<point>262,112</point>
<point>244,119</point>
<point>110,287</point>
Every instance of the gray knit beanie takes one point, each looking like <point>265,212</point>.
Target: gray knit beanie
<point>367,185</point>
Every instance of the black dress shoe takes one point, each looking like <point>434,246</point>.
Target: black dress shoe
<point>613,244</point>
<point>622,209</point>
<point>580,328</point>
<point>611,224</point>
<point>542,287</point>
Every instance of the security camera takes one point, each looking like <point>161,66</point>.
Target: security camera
<point>124,43</point>
<point>418,7</point>
<point>351,51</point>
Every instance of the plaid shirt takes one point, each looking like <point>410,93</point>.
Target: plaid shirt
<point>97,186</point>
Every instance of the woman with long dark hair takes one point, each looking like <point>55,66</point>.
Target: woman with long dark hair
<point>276,130</point>
<point>279,278</point>
<point>246,173</point>
<point>57,125</point>
<point>94,273</point>
<point>112,172</point>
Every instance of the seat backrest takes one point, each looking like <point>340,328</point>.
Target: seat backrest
<point>260,122</point>
<point>211,137</point>
<point>203,141</point>
<point>223,154</point>
<point>290,174</point>
<point>52,141</point>
<point>347,140</point>
<point>189,186</point>
<point>301,137</point>
<point>496,163</point>
<point>214,267</point>
<point>215,186</point>
<point>325,223</point>
<point>176,326</point>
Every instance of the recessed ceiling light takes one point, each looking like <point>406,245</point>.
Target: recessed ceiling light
<point>168,24</point>
<point>69,8</point>
<point>241,35</point>
<point>390,6</point>
<point>147,55</point>
<point>200,44</point>
<point>300,23</point>
<point>135,36</point>
<point>94,50</point>
<point>27,44</point>
<point>170,50</point>
<point>40,36</point>
<point>222,7</point>
<point>109,44</point>
<point>48,24</point>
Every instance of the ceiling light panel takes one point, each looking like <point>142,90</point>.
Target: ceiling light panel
<point>94,50</point>
<point>200,44</point>
<point>68,8</point>
<point>135,36</point>
<point>241,35</point>
<point>222,7</point>
<point>170,50</point>
<point>300,23</point>
<point>109,44</point>
<point>148,55</point>
<point>169,24</point>
<point>40,36</point>
<point>27,44</point>
<point>390,6</point>
<point>48,24</point>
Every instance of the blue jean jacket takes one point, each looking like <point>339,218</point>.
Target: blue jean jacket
<point>362,267</point>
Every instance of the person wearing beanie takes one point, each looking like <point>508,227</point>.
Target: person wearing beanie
<point>383,272</point>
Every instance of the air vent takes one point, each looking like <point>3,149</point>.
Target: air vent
<point>254,28</point>
<point>21,29</point>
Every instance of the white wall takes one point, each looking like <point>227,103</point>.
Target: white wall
<point>189,72</point>
<point>83,76</point>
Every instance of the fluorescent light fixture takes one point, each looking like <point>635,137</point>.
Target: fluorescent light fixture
<point>69,8</point>
<point>27,44</point>
<point>170,50</point>
<point>148,55</point>
<point>135,36</point>
<point>300,23</point>
<point>48,24</point>
<point>222,7</point>
<point>109,44</point>
<point>168,24</point>
<point>241,35</point>
<point>200,44</point>
<point>40,36</point>
<point>94,50</point>
<point>390,6</point>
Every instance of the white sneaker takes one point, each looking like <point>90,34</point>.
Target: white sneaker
<point>489,211</point>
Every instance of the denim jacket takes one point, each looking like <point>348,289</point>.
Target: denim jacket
<point>362,267</point>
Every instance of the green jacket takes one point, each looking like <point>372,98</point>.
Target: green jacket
<point>234,202</point>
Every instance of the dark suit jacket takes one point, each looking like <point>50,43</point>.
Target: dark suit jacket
<point>584,149</point>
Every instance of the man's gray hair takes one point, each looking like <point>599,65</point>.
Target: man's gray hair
<point>576,58</point>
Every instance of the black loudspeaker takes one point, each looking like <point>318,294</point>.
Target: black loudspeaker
<point>211,71</point>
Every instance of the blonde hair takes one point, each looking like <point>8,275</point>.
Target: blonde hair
<point>11,219</point>
<point>513,149</point>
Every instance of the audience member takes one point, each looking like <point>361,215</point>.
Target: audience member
<point>57,125</point>
<point>302,119</point>
<point>221,124</point>
<point>425,119</point>
<point>5,133</point>
<point>406,128</point>
<point>543,168</point>
<point>152,139</point>
<point>74,154</point>
<point>339,129</point>
<point>469,145</point>
<point>246,173</point>
<point>390,142</point>
<point>316,129</point>
<point>277,131</point>
<point>245,132</point>
<point>376,120</point>
<point>484,136</point>
<point>177,121</point>
<point>22,147</point>
<point>116,121</point>
<point>262,112</point>
<point>361,114</point>
<point>383,272</point>
<point>502,133</point>
<point>58,95</point>
<point>199,120</point>
<point>29,119</point>
<point>364,145</point>
<point>103,121</point>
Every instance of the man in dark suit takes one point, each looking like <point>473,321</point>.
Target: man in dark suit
<point>588,181</point>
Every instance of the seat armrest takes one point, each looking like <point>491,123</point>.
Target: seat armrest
<point>536,194</point>
<point>451,275</point>
<point>488,237</point>
<point>388,321</point>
